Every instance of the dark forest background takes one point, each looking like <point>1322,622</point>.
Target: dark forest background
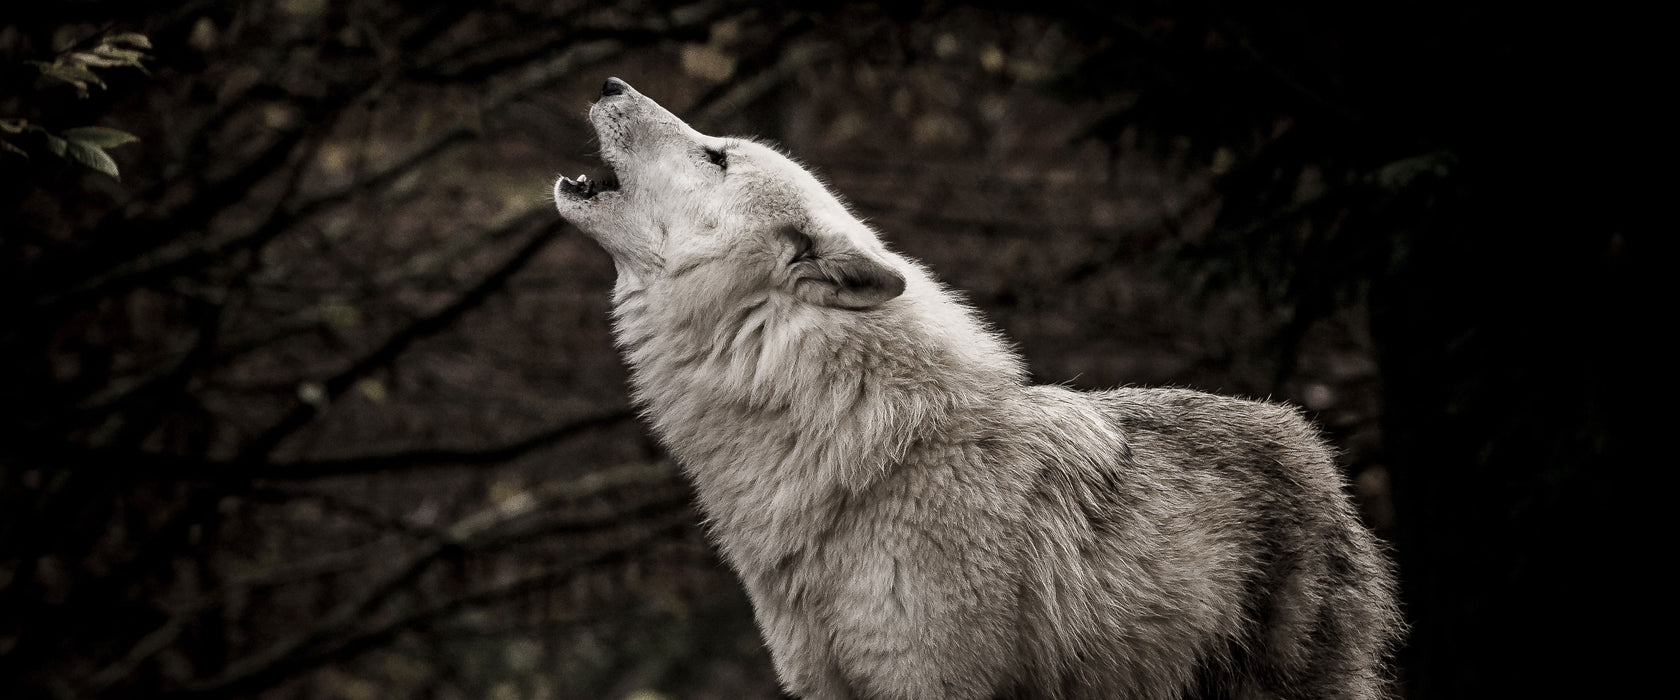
<point>318,400</point>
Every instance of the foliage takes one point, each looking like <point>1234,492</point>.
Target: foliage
<point>84,144</point>
<point>78,68</point>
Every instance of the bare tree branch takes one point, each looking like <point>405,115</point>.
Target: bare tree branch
<point>303,412</point>
<point>121,390</point>
<point>408,459</point>
<point>190,254</point>
<point>148,646</point>
<point>498,525</point>
<point>184,467</point>
<point>289,655</point>
<point>765,69</point>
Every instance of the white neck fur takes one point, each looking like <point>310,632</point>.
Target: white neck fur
<point>779,409</point>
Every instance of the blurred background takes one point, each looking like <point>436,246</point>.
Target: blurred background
<point>308,393</point>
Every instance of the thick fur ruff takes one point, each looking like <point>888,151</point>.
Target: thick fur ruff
<point>910,518</point>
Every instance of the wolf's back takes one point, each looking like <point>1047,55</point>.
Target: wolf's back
<point>1317,591</point>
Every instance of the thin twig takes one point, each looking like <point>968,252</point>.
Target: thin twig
<point>285,656</point>
<point>303,412</point>
<point>409,459</point>
<point>182,467</point>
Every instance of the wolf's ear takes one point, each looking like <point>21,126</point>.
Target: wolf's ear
<point>846,278</point>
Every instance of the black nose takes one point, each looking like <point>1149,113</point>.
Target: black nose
<point>614,86</point>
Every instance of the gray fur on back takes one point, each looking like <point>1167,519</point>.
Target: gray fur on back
<point>911,519</point>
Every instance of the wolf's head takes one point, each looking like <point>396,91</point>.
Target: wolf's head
<point>751,303</point>
<point>684,213</point>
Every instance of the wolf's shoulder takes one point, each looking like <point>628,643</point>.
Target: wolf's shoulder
<point>1168,410</point>
<point>1180,428</point>
<point>1172,409</point>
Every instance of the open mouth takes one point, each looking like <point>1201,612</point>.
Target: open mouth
<point>586,188</point>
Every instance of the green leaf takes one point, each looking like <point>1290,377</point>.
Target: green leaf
<point>133,39</point>
<point>93,157</point>
<point>56,144</point>
<point>14,126</point>
<point>72,73</point>
<point>1401,173</point>
<point>7,146</point>
<point>96,60</point>
<point>99,136</point>
<point>114,56</point>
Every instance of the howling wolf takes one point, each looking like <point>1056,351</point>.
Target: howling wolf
<point>910,518</point>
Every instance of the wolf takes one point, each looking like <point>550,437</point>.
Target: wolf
<point>912,519</point>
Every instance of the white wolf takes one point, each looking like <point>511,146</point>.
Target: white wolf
<point>910,518</point>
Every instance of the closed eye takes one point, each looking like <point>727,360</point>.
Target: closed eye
<point>718,157</point>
